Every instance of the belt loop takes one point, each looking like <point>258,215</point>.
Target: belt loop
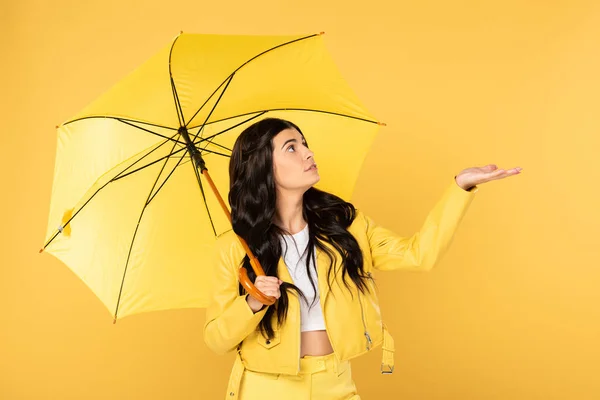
<point>387,360</point>
<point>336,364</point>
<point>233,388</point>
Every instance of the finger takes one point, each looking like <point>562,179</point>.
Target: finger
<point>267,286</point>
<point>268,280</point>
<point>502,173</point>
<point>511,171</point>
<point>264,278</point>
<point>274,280</point>
<point>272,292</point>
<point>497,174</point>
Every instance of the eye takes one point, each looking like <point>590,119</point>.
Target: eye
<point>292,148</point>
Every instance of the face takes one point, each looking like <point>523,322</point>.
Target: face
<point>294,166</point>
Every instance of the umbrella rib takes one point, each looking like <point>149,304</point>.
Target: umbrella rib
<point>208,151</point>
<point>215,106</point>
<point>248,61</point>
<point>210,97</point>
<point>178,108</point>
<point>199,183</point>
<point>99,189</point>
<point>177,103</point>
<point>162,158</point>
<point>149,131</point>
<point>150,196</point>
<point>284,109</point>
<point>122,173</point>
<point>148,165</point>
<point>121,119</point>
<point>132,124</point>
<point>179,163</point>
<point>204,198</point>
<point>170,173</point>
<point>197,177</point>
<point>216,153</point>
<point>228,129</point>
<point>216,144</point>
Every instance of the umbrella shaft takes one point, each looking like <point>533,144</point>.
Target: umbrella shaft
<point>258,270</point>
<point>201,165</point>
<point>194,153</point>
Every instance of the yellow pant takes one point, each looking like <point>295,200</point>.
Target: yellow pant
<point>321,377</point>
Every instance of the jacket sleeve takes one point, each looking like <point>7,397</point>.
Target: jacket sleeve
<point>229,318</point>
<point>422,250</point>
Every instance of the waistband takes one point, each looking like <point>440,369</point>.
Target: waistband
<point>312,364</point>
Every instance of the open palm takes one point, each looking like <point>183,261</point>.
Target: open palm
<point>473,176</point>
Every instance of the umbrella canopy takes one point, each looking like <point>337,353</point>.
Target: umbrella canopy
<point>129,212</point>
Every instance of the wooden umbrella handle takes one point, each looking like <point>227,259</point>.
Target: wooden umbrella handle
<point>243,274</point>
<point>245,281</point>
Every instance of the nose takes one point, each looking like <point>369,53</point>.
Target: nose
<point>309,153</point>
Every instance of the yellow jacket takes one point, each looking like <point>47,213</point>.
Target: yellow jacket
<point>354,324</point>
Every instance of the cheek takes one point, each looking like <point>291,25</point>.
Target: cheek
<point>285,172</point>
<point>278,169</point>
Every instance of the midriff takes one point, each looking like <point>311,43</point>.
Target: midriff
<point>315,343</point>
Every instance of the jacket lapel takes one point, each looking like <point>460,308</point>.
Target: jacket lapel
<point>322,268</point>
<point>283,272</point>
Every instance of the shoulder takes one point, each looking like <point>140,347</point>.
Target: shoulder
<point>359,216</point>
<point>227,245</point>
<point>360,223</point>
<point>227,240</point>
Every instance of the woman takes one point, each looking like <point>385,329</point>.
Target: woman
<point>318,252</point>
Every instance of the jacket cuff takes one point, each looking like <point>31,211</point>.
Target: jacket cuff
<point>472,189</point>
<point>240,319</point>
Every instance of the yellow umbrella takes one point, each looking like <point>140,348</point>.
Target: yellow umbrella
<point>129,212</point>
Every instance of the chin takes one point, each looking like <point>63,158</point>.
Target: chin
<point>311,183</point>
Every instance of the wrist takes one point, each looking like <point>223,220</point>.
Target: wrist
<point>254,304</point>
<point>468,189</point>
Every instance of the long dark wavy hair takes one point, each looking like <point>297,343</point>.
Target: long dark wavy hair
<point>252,197</point>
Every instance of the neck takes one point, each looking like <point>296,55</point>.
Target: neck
<point>289,212</point>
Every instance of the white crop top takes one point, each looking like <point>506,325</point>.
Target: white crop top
<point>311,319</point>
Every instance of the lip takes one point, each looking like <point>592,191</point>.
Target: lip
<point>313,165</point>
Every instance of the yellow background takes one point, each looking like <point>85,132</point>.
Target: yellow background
<point>511,312</point>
